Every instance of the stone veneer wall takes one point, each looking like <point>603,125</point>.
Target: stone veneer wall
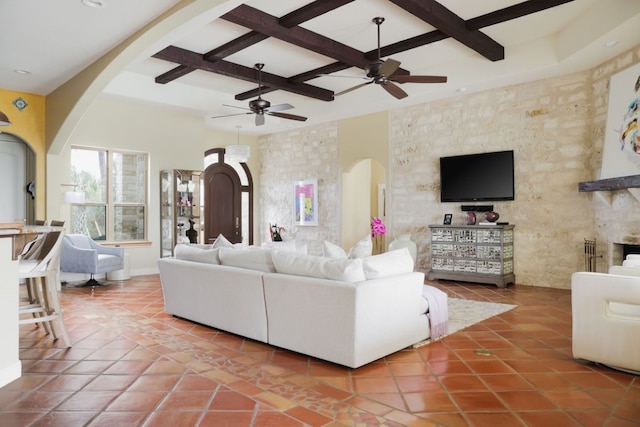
<point>555,126</point>
<point>548,125</point>
<point>300,154</point>
<point>616,212</point>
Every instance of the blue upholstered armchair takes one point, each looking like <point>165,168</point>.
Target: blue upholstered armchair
<point>80,254</point>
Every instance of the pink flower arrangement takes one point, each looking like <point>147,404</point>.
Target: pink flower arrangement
<point>377,227</point>
<point>378,230</point>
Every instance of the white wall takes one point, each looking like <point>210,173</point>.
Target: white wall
<point>173,141</point>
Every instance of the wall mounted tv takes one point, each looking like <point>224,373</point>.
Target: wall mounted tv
<point>477,177</point>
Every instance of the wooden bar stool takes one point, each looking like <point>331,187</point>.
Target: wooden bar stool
<point>39,269</point>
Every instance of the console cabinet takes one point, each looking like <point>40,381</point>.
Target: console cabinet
<point>472,253</point>
<point>180,201</point>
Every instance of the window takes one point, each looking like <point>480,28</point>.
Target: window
<point>114,184</point>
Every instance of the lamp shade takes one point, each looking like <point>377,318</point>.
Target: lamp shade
<point>237,153</point>
<point>71,197</point>
<point>4,120</point>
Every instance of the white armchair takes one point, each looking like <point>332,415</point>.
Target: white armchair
<point>80,254</point>
<point>606,317</point>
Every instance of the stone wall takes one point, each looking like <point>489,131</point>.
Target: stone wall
<point>616,212</point>
<point>286,157</point>
<point>547,124</point>
<point>555,128</point>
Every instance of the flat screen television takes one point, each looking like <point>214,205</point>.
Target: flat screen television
<point>477,177</point>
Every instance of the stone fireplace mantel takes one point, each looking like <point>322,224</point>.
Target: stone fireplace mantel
<point>630,183</point>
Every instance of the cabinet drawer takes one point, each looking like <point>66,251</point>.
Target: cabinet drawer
<point>443,264</point>
<point>490,267</point>
<point>465,265</point>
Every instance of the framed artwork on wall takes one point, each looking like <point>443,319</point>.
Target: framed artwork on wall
<point>305,202</point>
<point>621,152</point>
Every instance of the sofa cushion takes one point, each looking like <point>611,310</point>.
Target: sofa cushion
<point>331,250</point>
<point>389,263</point>
<point>362,248</point>
<point>197,253</point>
<point>345,270</point>
<point>250,258</point>
<point>222,242</point>
<point>287,245</point>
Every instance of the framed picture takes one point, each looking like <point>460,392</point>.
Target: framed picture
<point>447,219</point>
<point>305,202</point>
<point>621,153</point>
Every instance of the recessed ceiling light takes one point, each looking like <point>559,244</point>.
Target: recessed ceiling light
<point>610,43</point>
<point>462,89</point>
<point>23,72</point>
<point>97,4</point>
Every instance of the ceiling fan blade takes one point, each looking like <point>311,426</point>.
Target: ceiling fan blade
<point>389,67</point>
<point>235,106</point>
<point>279,107</point>
<point>394,90</point>
<point>288,116</point>
<point>353,88</point>
<point>419,79</point>
<point>230,115</point>
<point>259,119</point>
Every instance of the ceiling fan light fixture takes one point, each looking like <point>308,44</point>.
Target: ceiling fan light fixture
<point>237,153</point>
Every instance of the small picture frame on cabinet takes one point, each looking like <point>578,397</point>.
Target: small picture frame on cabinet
<point>447,219</point>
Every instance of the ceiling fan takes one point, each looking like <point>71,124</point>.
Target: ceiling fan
<point>260,106</point>
<point>381,73</point>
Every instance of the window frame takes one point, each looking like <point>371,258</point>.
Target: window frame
<point>110,204</point>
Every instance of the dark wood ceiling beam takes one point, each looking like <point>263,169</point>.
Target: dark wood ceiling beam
<point>310,11</point>
<point>492,18</point>
<point>234,46</point>
<point>171,75</point>
<point>264,23</point>
<point>408,44</point>
<point>299,78</point>
<point>512,12</point>
<point>225,68</point>
<point>451,24</point>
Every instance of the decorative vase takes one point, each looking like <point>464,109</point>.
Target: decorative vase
<point>404,241</point>
<point>470,218</point>
<point>491,216</point>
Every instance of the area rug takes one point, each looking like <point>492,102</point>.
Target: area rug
<point>464,313</point>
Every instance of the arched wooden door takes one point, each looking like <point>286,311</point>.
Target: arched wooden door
<point>226,211</point>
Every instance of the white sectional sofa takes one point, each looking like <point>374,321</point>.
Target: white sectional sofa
<point>606,316</point>
<point>347,311</point>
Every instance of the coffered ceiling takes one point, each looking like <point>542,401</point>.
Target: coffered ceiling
<point>313,50</point>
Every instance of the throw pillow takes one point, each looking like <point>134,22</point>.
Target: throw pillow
<point>222,242</point>
<point>252,259</point>
<point>363,248</point>
<point>295,263</point>
<point>387,264</point>
<point>332,250</point>
<point>197,254</point>
<point>285,245</point>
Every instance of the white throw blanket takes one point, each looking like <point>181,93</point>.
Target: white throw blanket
<point>438,310</point>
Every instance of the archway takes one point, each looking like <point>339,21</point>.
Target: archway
<point>363,197</point>
<point>228,199</point>
<point>17,174</point>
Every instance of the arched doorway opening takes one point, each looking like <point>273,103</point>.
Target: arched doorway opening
<point>18,175</point>
<point>363,197</point>
<point>228,199</point>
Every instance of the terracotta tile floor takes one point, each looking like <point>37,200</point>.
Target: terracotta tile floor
<point>133,365</point>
